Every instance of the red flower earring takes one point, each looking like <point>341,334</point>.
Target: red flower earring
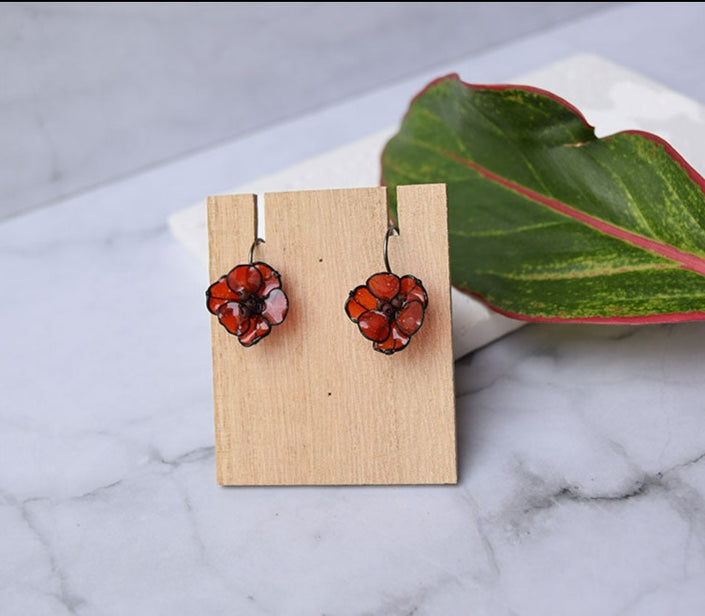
<point>248,300</point>
<point>388,309</point>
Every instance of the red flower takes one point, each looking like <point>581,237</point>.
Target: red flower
<point>248,301</point>
<point>388,310</point>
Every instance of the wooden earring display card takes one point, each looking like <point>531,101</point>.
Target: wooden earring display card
<point>313,403</point>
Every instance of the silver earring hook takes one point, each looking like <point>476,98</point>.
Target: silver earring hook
<point>258,240</point>
<point>390,231</point>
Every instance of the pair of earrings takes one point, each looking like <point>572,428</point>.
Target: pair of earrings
<point>388,309</point>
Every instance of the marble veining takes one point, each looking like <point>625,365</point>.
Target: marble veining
<point>581,448</point>
<point>582,465</point>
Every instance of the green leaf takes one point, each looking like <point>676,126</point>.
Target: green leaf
<point>547,222</point>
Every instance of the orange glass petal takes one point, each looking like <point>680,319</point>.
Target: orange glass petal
<point>410,318</point>
<point>233,318</point>
<point>384,286</point>
<point>276,307</point>
<point>374,325</point>
<point>258,329</point>
<point>244,279</point>
<point>412,290</point>
<point>396,341</point>
<point>270,278</point>
<point>360,300</point>
<point>219,294</point>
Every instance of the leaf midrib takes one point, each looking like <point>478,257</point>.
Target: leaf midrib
<point>685,260</point>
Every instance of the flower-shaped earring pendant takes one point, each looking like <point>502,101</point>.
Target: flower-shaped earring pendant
<point>388,309</point>
<point>248,300</point>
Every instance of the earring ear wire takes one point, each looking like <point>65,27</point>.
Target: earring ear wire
<point>256,243</point>
<point>390,231</point>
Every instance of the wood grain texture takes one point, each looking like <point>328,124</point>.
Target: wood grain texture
<point>313,403</point>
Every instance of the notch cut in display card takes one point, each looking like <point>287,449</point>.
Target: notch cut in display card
<point>313,403</point>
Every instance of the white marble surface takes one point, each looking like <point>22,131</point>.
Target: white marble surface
<point>582,448</point>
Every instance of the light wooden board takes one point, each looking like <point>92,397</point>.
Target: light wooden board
<point>313,403</point>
